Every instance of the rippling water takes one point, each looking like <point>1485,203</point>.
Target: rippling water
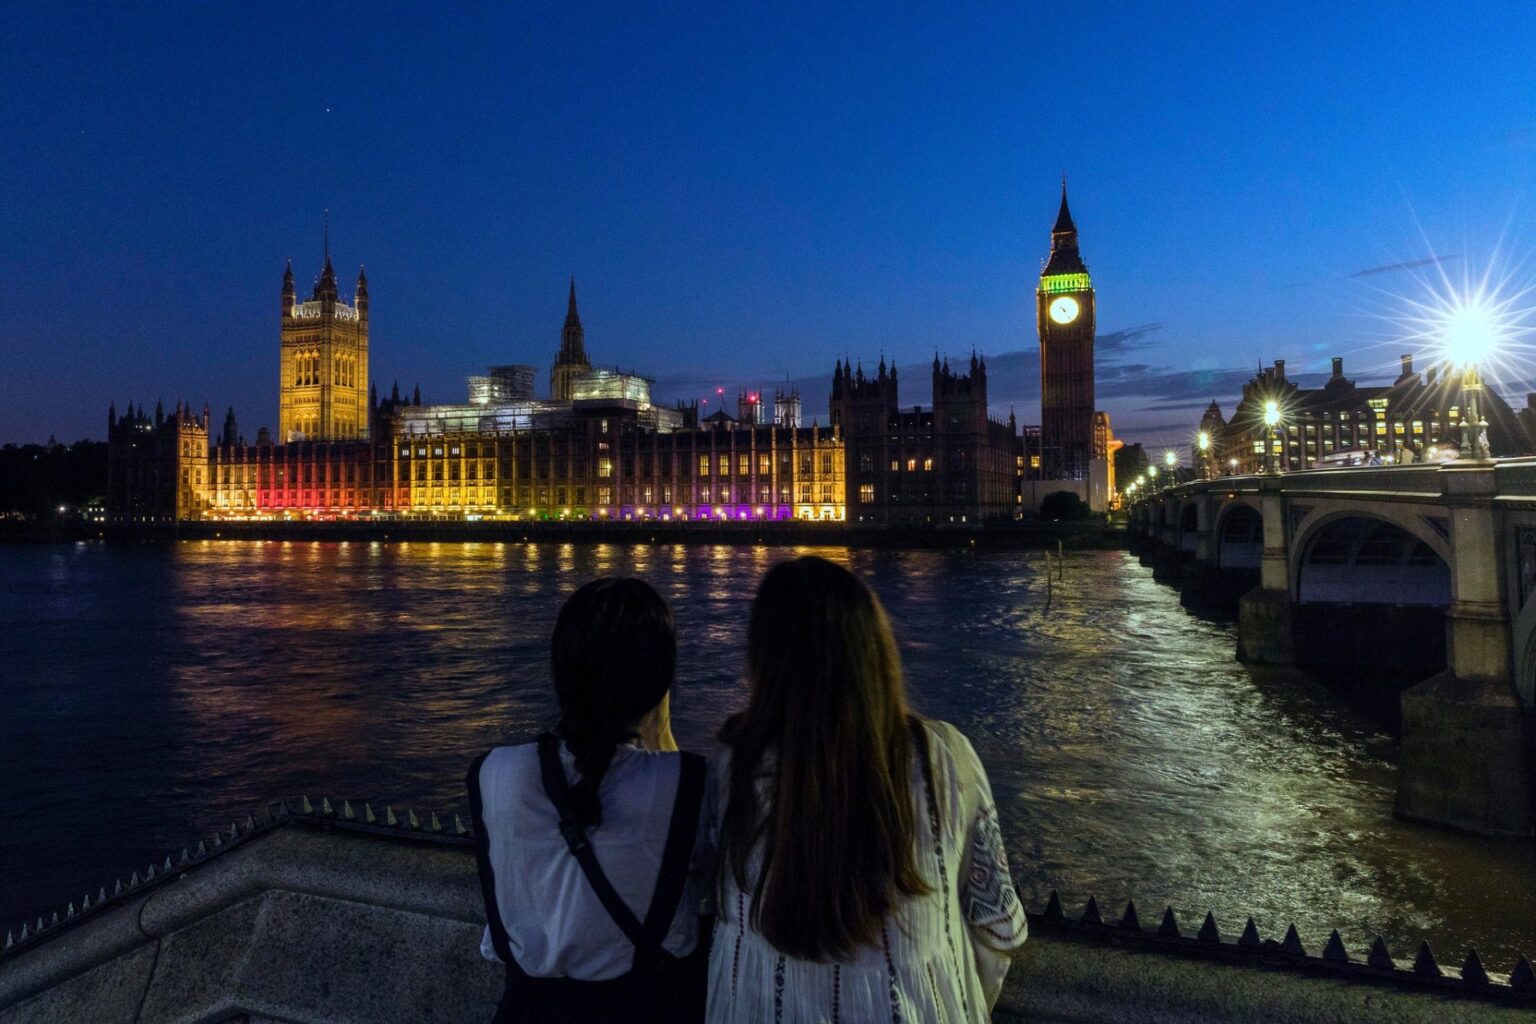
<point>150,693</point>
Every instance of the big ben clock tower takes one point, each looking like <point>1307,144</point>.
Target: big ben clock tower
<point>1065,316</point>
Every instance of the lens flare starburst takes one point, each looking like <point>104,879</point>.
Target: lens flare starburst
<point>1472,321</point>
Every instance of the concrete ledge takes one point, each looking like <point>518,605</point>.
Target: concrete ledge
<point>318,920</point>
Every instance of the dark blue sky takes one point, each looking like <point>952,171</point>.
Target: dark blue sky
<point>741,194</point>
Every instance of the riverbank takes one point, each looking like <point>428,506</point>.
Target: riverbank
<point>1092,535</point>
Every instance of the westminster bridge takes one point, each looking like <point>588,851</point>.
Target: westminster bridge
<point>1418,577</point>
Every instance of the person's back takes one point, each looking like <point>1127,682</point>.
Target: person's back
<point>588,843</point>
<point>863,874</point>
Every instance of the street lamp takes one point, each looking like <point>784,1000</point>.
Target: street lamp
<point>1271,421</point>
<point>1469,336</point>
<point>1172,461</point>
<point>1203,442</point>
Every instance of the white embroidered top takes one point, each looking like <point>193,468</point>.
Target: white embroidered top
<point>556,927</point>
<point>942,957</point>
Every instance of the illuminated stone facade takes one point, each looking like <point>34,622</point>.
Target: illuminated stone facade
<point>599,450</point>
<point>157,466</point>
<point>1065,316</point>
<point>323,389</point>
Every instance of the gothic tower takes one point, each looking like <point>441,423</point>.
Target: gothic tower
<point>1065,315</point>
<point>323,393</point>
<point>572,361</point>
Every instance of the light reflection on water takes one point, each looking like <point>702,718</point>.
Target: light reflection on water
<point>149,693</point>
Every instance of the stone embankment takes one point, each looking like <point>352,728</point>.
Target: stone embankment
<point>334,913</point>
<point>1096,534</point>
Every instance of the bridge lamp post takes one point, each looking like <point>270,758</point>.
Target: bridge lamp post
<point>1271,422</point>
<point>1203,442</point>
<point>1469,336</point>
<point>1172,462</point>
<point>1152,475</point>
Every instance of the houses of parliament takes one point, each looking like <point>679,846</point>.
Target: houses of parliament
<point>597,447</point>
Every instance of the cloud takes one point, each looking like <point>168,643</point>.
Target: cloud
<point>1410,265</point>
<point>1125,339</point>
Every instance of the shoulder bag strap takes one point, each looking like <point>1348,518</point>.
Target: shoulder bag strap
<point>575,836</point>
<point>682,834</point>
<point>498,927</point>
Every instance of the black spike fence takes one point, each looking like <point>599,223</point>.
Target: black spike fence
<point>1378,966</point>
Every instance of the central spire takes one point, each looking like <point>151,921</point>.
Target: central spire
<point>325,288</point>
<point>1064,223</point>
<point>573,349</point>
<point>1065,259</point>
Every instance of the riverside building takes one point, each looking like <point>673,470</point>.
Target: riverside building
<point>950,463</point>
<point>598,448</point>
<point>1409,420</point>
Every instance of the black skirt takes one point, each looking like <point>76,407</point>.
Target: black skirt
<point>669,992</point>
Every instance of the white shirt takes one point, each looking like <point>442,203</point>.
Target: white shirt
<point>556,926</point>
<point>940,957</point>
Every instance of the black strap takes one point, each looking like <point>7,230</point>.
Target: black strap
<point>499,940</point>
<point>647,936</point>
<point>678,853</point>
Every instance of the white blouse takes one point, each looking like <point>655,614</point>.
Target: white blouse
<point>556,926</point>
<point>941,957</point>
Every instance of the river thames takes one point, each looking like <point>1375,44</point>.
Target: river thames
<point>152,693</point>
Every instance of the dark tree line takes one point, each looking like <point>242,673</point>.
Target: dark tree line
<point>35,479</point>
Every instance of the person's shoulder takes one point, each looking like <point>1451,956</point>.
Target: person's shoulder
<point>504,762</point>
<point>951,745</point>
<point>950,738</point>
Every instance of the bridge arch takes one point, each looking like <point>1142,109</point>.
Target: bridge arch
<point>1371,593</point>
<point>1189,526</point>
<point>1355,556</point>
<point>1239,535</point>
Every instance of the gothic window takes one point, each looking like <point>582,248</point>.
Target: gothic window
<point>703,465</point>
<point>866,462</point>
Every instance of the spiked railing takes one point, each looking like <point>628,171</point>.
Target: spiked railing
<point>274,815</point>
<point>1333,960</point>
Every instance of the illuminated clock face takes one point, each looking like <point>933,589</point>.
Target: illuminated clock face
<point>1064,310</point>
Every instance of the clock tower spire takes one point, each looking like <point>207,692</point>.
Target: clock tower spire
<point>1065,316</point>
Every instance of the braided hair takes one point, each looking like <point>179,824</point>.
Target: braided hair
<point>612,656</point>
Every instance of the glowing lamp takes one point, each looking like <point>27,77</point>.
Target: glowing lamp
<point>1204,440</point>
<point>1170,458</point>
<point>1152,472</point>
<point>1271,413</point>
<point>1469,333</point>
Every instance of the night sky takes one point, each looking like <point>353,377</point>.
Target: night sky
<point>743,194</point>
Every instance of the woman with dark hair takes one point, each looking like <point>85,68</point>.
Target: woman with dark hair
<point>863,876</point>
<point>589,841</point>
